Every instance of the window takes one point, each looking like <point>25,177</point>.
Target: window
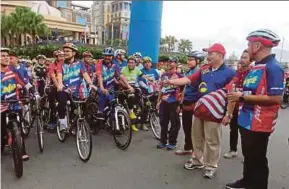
<point>119,14</point>
<point>120,6</point>
<point>112,7</point>
<point>116,7</point>
<point>125,6</point>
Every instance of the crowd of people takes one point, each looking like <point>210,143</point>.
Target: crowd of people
<point>207,96</point>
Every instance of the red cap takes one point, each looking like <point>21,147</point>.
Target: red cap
<point>217,47</point>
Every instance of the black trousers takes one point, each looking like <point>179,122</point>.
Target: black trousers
<point>254,148</point>
<point>169,115</point>
<point>187,118</point>
<point>52,98</point>
<point>234,134</point>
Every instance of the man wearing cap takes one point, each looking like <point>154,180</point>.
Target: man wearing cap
<point>260,98</point>
<point>207,133</point>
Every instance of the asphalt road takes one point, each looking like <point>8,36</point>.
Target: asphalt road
<point>141,166</point>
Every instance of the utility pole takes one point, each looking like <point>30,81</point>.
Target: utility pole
<point>282,50</point>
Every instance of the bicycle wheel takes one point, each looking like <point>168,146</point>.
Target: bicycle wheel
<point>62,135</point>
<point>25,125</point>
<point>121,129</point>
<point>16,149</point>
<point>91,112</point>
<point>83,140</point>
<point>39,130</point>
<point>155,124</point>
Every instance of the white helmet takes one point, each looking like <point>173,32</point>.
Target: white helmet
<point>264,36</point>
<point>119,52</point>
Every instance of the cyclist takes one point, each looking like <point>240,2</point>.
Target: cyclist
<point>29,69</point>
<point>14,61</point>
<point>190,96</point>
<point>10,80</point>
<point>138,59</point>
<point>149,86</point>
<point>131,75</point>
<point>52,94</point>
<point>169,99</point>
<point>88,63</point>
<point>40,73</point>
<point>71,74</point>
<point>261,99</point>
<point>119,59</point>
<point>286,73</point>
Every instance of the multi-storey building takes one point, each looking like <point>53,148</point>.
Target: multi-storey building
<point>111,19</point>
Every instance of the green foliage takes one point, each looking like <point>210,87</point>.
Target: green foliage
<point>22,21</point>
<point>48,50</point>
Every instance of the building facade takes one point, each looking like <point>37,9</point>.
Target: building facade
<point>110,20</point>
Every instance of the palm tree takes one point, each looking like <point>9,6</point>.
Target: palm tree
<point>163,45</point>
<point>171,41</point>
<point>185,45</point>
<point>36,25</point>
<point>6,26</point>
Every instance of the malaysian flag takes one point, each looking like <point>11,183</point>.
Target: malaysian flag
<point>212,106</point>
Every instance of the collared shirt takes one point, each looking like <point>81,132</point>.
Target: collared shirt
<point>212,80</point>
<point>241,75</point>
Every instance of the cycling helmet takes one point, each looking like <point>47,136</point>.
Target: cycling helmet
<point>197,54</point>
<point>119,52</point>
<point>58,52</point>
<point>137,54</point>
<point>71,46</point>
<point>86,53</point>
<point>264,36</point>
<point>147,59</point>
<point>41,56</point>
<point>109,51</point>
<point>5,50</point>
<point>131,58</point>
<point>173,59</point>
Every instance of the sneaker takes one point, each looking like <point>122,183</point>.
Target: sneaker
<point>183,152</point>
<point>25,157</point>
<point>210,173</point>
<point>230,155</point>
<point>161,146</point>
<point>145,128</point>
<point>171,146</point>
<point>133,127</point>
<point>189,165</point>
<point>239,184</point>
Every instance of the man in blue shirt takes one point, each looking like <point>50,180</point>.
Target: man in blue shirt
<point>207,133</point>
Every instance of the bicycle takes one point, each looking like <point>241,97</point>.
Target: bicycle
<point>37,120</point>
<point>46,111</point>
<point>285,99</point>
<point>13,135</point>
<point>75,115</point>
<point>149,102</point>
<point>117,120</point>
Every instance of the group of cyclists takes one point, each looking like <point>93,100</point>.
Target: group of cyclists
<point>135,74</point>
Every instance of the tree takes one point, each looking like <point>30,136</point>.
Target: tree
<point>6,32</point>
<point>171,42</point>
<point>185,45</point>
<point>163,45</point>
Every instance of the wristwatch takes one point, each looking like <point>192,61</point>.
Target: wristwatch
<point>229,115</point>
<point>241,98</point>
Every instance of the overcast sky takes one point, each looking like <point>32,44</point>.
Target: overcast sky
<point>226,22</point>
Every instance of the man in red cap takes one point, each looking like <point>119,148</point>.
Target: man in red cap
<point>206,131</point>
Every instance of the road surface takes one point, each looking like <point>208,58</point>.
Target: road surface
<point>141,166</point>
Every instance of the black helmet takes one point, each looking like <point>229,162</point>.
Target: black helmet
<point>197,54</point>
<point>109,51</point>
<point>173,59</point>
